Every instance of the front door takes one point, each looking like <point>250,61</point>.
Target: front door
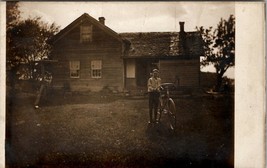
<point>143,69</point>
<point>142,74</point>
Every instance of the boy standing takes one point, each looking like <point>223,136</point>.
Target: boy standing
<point>153,85</point>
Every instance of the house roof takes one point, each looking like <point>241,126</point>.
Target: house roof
<point>162,44</point>
<point>146,44</point>
<point>80,20</point>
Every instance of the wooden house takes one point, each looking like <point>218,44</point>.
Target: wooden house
<point>90,56</point>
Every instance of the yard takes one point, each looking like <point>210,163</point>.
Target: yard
<point>109,130</point>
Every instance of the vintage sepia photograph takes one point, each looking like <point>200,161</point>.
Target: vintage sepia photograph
<point>120,84</point>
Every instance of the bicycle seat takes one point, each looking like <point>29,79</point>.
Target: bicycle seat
<point>169,86</point>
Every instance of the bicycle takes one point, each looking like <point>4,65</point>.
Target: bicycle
<point>167,105</point>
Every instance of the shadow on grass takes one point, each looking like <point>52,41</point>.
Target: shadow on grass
<point>58,98</point>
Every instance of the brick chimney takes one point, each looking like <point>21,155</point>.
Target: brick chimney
<point>102,20</point>
<point>181,26</point>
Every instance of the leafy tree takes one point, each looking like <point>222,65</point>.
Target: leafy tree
<point>12,18</point>
<point>12,14</point>
<point>219,47</point>
<point>29,43</point>
<point>26,42</point>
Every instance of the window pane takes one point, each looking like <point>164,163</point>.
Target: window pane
<point>74,74</point>
<point>96,68</point>
<point>86,33</point>
<point>74,69</point>
<point>96,64</point>
<point>74,65</point>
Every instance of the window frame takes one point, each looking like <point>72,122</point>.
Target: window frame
<point>83,32</point>
<point>97,68</point>
<point>77,69</point>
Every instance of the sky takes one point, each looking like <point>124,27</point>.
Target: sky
<point>135,16</point>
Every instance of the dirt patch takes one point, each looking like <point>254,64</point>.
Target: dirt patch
<point>112,131</point>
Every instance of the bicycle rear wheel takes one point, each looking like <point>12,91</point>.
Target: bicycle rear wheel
<point>172,114</point>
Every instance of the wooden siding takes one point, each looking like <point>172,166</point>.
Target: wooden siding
<point>103,47</point>
<point>184,73</point>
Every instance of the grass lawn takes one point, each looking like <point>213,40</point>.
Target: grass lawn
<point>108,130</point>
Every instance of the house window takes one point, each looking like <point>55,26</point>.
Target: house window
<point>130,68</point>
<point>74,69</point>
<point>96,68</point>
<point>86,33</point>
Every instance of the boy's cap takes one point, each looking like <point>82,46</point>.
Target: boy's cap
<point>156,70</point>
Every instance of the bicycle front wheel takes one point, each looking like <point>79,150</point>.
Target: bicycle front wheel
<point>172,114</point>
<point>160,108</point>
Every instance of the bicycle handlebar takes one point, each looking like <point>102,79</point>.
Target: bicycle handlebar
<point>169,86</point>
